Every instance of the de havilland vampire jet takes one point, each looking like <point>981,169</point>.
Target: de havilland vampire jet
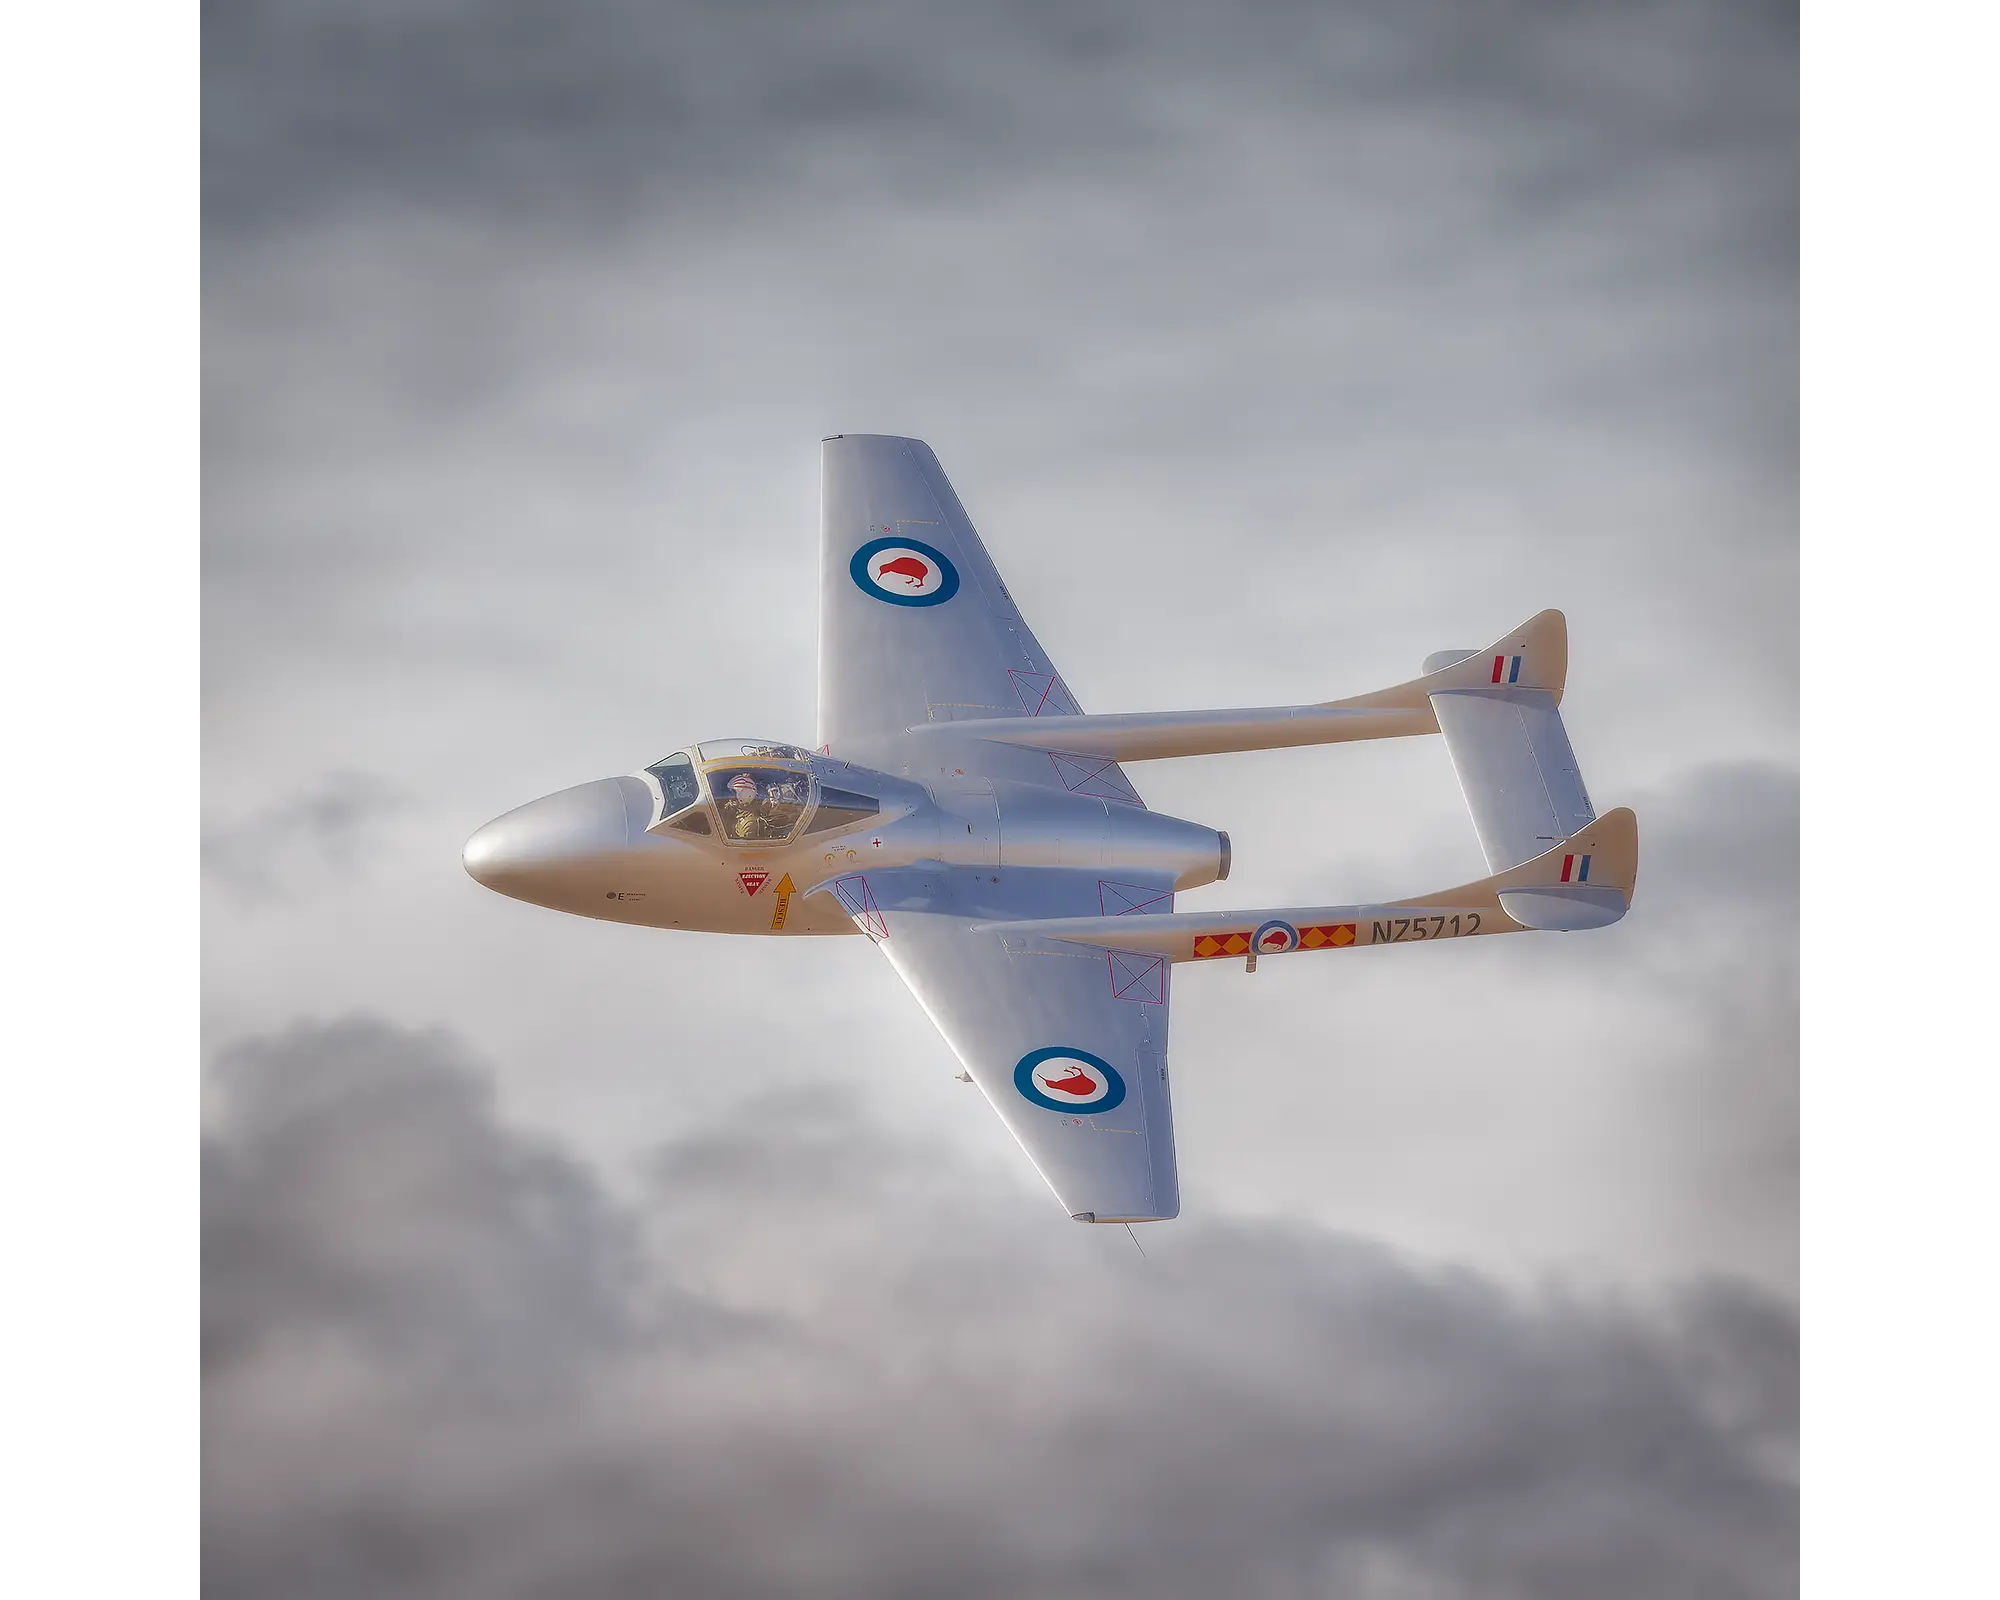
<point>963,812</point>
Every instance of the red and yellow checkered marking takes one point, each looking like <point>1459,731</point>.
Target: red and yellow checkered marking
<point>1336,934</point>
<point>1333,936</point>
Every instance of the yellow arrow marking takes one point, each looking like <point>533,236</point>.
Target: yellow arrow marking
<point>785,892</point>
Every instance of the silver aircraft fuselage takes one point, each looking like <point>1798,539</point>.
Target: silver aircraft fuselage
<point>698,842</point>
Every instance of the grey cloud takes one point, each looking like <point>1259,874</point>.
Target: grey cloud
<point>1513,277</point>
<point>807,1358</point>
<point>326,826</point>
<point>1629,1095</point>
<point>1730,840</point>
<point>1713,939</point>
<point>602,106</point>
<point>1718,891</point>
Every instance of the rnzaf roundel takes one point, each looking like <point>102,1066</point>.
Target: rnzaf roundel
<point>1275,937</point>
<point>904,572</point>
<point>1062,1078</point>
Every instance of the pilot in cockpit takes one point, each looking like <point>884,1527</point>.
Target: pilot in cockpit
<point>756,800</point>
<point>760,805</point>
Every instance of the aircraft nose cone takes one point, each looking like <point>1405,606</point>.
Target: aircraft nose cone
<point>530,851</point>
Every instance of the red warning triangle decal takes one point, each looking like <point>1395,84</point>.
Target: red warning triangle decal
<point>753,881</point>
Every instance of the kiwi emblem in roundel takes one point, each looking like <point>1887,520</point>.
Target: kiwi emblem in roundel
<point>1274,938</point>
<point>904,572</point>
<point>1065,1079</point>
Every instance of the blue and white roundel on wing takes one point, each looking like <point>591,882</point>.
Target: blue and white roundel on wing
<point>1064,1078</point>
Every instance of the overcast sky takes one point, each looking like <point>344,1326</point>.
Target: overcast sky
<point>1271,348</point>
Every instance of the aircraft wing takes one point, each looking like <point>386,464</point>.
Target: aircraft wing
<point>1068,1045</point>
<point>917,628</point>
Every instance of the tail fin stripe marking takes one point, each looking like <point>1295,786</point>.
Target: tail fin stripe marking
<point>1568,863</point>
<point>1514,671</point>
<point>1498,663</point>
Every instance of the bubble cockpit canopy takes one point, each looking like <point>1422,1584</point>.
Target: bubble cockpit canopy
<point>751,792</point>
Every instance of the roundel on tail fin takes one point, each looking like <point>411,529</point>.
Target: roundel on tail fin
<point>903,571</point>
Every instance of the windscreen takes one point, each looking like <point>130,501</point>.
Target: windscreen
<point>677,784</point>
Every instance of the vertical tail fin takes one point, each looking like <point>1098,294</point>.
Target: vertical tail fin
<point>1585,881</point>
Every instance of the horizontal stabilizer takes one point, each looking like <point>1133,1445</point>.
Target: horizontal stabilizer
<point>1584,882</point>
<point>1534,656</point>
<point>1516,768</point>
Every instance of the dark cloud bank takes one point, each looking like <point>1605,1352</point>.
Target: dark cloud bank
<point>444,1359</point>
<point>591,104</point>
